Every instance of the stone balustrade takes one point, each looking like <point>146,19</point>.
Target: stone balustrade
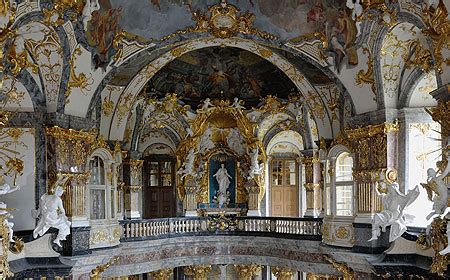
<point>302,228</point>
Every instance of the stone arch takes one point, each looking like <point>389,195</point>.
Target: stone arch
<point>138,82</point>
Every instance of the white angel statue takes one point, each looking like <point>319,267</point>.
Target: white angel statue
<point>49,206</point>
<point>89,8</point>
<point>188,165</point>
<point>207,104</point>
<point>437,185</point>
<point>394,204</point>
<point>357,11</point>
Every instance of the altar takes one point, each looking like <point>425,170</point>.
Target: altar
<point>220,163</point>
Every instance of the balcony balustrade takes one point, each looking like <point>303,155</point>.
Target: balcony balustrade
<point>299,228</point>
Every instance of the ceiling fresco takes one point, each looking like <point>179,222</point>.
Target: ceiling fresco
<point>218,72</point>
<point>288,19</point>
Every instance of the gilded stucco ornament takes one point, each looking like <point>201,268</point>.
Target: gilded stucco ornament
<point>208,135</point>
<point>223,20</point>
<point>247,272</point>
<point>55,15</point>
<point>97,271</point>
<point>367,76</point>
<point>341,267</point>
<point>434,16</point>
<point>81,81</point>
<point>283,273</point>
<point>198,272</point>
<point>436,238</point>
<point>162,274</point>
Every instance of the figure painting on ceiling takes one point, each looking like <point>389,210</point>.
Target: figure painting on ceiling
<point>101,29</point>
<point>221,73</point>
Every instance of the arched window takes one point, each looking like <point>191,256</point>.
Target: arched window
<point>344,185</point>
<point>97,189</point>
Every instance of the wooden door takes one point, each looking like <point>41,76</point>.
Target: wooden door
<point>159,193</point>
<point>284,188</point>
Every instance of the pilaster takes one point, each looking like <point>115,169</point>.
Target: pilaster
<point>247,272</point>
<point>313,186</point>
<point>133,187</point>
<point>67,152</point>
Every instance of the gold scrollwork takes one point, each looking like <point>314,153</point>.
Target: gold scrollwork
<point>367,76</point>
<point>341,267</point>
<point>162,274</point>
<point>96,272</point>
<point>81,81</point>
<point>283,273</point>
<point>198,272</point>
<point>223,20</point>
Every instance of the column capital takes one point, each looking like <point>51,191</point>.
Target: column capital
<point>283,273</point>
<point>162,274</point>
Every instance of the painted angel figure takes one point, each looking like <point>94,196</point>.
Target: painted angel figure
<point>237,104</point>
<point>437,185</point>
<point>51,213</point>
<point>394,204</point>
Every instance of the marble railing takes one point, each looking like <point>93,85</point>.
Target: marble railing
<point>300,228</point>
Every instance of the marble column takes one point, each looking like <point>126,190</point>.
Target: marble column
<point>133,187</point>
<point>375,151</point>
<point>67,153</point>
<point>197,272</point>
<point>247,272</point>
<point>162,274</point>
<point>283,273</point>
<point>253,198</point>
<point>313,186</point>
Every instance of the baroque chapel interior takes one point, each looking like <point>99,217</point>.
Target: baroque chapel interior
<point>224,139</point>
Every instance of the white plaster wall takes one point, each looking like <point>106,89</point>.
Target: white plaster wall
<point>23,200</point>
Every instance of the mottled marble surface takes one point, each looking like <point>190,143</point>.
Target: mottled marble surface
<point>144,256</point>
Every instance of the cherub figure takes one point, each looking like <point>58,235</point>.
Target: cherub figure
<point>207,104</point>
<point>237,104</point>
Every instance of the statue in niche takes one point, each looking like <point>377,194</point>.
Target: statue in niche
<point>51,213</point>
<point>223,179</point>
<point>437,185</point>
<point>394,204</point>
<point>6,215</point>
<point>188,166</point>
<point>255,168</point>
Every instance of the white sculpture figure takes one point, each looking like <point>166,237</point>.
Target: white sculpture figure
<point>223,179</point>
<point>237,104</point>
<point>255,168</point>
<point>188,165</point>
<point>89,8</point>
<point>236,142</point>
<point>5,188</point>
<point>4,212</point>
<point>357,11</point>
<point>437,185</point>
<point>205,144</point>
<point>48,215</point>
<point>394,204</point>
<point>206,105</point>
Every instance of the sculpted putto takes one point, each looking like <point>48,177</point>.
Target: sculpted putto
<point>49,206</point>
<point>255,168</point>
<point>394,204</point>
